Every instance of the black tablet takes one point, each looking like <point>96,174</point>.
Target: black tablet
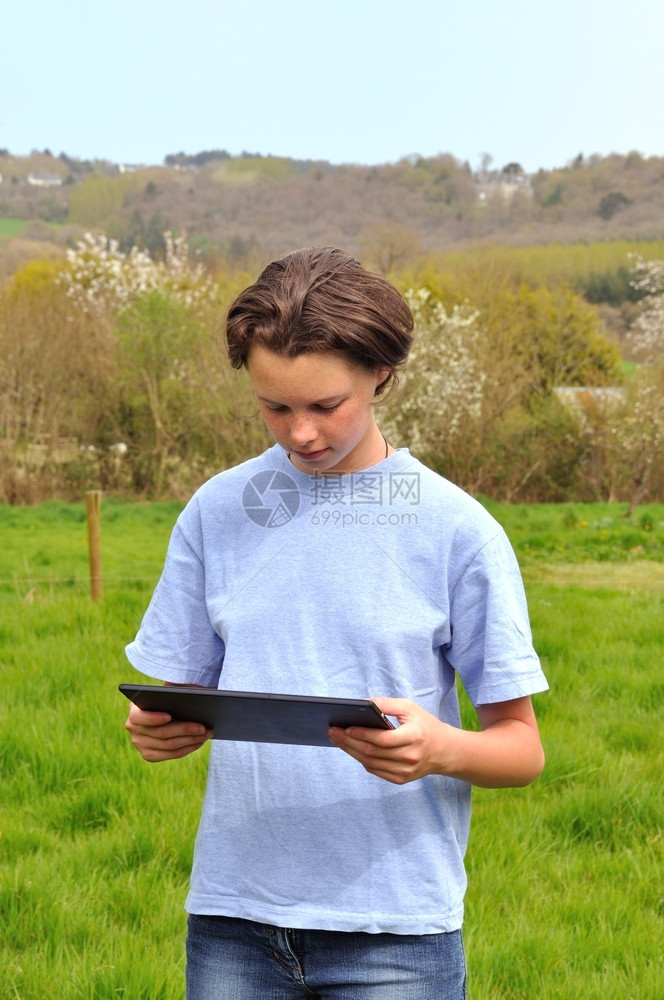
<point>259,717</point>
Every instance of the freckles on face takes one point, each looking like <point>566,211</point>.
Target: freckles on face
<point>318,407</point>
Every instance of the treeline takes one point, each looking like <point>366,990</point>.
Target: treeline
<point>236,206</point>
<point>182,160</point>
<point>113,376</point>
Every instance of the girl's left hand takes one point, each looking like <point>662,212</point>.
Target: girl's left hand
<point>507,752</point>
<point>416,748</point>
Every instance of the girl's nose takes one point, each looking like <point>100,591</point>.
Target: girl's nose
<point>302,430</point>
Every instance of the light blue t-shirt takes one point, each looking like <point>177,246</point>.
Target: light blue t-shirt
<point>389,581</point>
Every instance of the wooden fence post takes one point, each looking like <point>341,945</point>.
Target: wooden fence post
<point>93,503</point>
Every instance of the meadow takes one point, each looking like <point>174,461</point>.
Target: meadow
<point>11,227</point>
<point>566,896</point>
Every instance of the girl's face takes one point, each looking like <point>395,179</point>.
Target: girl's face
<point>319,408</point>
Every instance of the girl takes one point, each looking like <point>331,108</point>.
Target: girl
<point>335,565</point>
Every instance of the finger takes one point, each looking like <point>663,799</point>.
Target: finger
<point>141,718</point>
<point>165,729</point>
<point>167,736</point>
<point>153,749</point>
<point>368,755</point>
<point>381,767</point>
<point>154,755</point>
<point>399,708</point>
<point>370,740</point>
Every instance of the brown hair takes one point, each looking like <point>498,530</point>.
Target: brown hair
<point>322,299</point>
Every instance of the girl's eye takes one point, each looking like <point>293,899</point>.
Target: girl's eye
<point>317,406</point>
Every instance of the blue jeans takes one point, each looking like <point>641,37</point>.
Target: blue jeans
<point>233,959</point>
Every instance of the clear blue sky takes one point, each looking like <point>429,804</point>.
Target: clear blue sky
<point>349,81</point>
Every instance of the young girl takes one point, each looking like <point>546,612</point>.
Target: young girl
<point>335,565</point>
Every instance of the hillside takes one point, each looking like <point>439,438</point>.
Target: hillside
<point>237,206</point>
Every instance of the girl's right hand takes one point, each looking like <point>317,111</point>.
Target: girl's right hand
<point>157,737</point>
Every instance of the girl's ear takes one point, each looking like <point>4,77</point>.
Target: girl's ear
<point>382,376</point>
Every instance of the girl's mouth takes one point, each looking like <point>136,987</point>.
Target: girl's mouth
<point>310,456</point>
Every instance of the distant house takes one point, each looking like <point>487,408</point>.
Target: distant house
<point>506,184</point>
<point>44,180</point>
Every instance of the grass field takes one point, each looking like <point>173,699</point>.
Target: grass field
<point>11,227</point>
<point>566,896</point>
<point>14,227</point>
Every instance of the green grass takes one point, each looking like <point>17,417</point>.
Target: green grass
<point>567,875</point>
<point>11,227</point>
<point>45,548</point>
<point>95,846</point>
<point>583,533</point>
<point>566,895</point>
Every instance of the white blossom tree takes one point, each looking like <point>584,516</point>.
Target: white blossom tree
<point>441,391</point>
<point>101,278</point>
<point>640,433</point>
<point>647,333</point>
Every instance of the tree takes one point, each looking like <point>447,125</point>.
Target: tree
<point>541,335</point>
<point>96,199</point>
<point>54,367</point>
<point>442,388</point>
<point>101,278</point>
<point>612,203</point>
<point>647,333</point>
<point>477,397</point>
<point>386,247</point>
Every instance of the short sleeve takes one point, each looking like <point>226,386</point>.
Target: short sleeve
<point>176,641</point>
<point>491,647</point>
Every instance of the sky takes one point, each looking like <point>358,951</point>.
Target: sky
<point>347,81</point>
